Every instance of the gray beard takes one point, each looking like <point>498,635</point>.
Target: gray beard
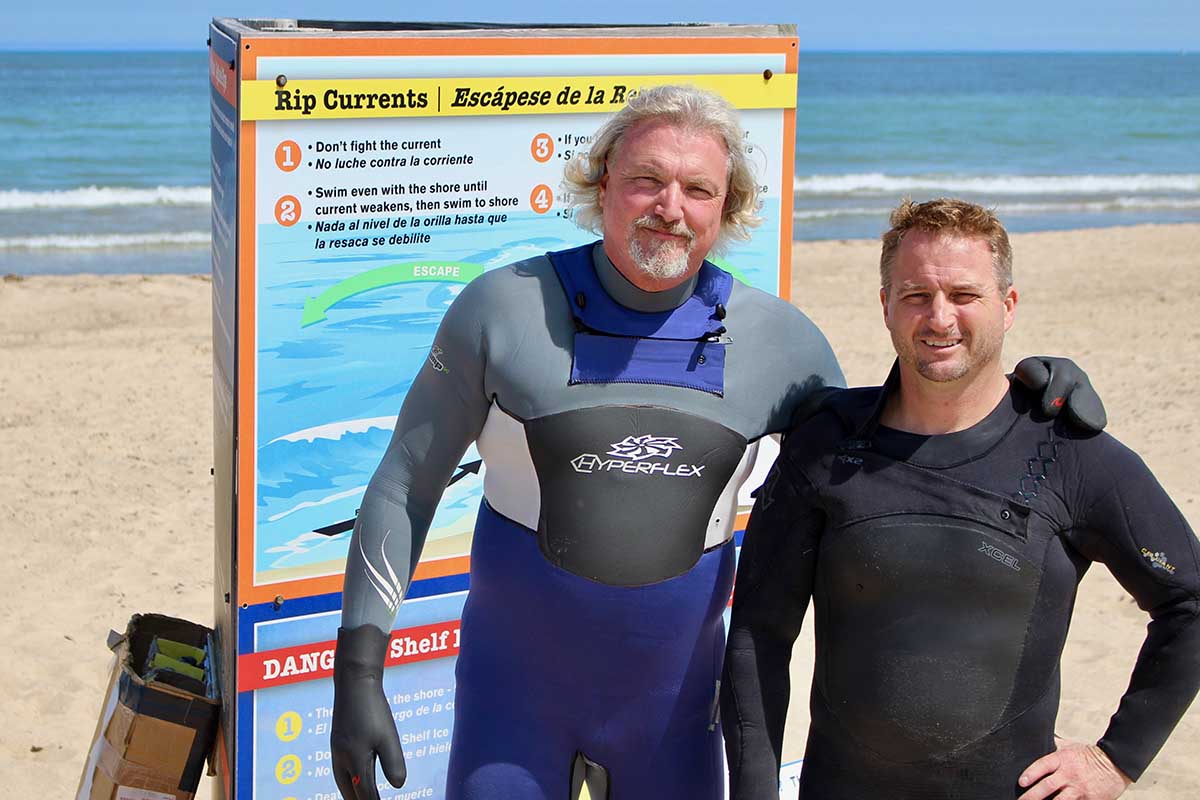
<point>663,263</point>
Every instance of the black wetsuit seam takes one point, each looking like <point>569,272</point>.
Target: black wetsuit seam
<point>941,757</point>
<point>1029,622</point>
<point>1032,705</point>
<point>849,733</point>
<point>1037,480</point>
<point>1114,481</point>
<point>940,472</point>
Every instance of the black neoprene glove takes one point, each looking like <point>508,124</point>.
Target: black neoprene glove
<point>362,717</point>
<point>1063,383</point>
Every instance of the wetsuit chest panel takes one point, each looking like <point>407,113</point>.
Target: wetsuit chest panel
<point>666,362</point>
<point>627,491</point>
<point>943,600</point>
<point>614,344</point>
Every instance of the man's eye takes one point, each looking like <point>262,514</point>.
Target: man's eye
<point>965,297</point>
<point>700,192</point>
<point>646,182</point>
<point>915,297</point>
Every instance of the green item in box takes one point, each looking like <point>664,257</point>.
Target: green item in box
<point>160,662</point>
<point>179,651</point>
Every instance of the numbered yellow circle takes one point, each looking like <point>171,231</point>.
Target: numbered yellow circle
<point>288,769</point>
<point>287,727</point>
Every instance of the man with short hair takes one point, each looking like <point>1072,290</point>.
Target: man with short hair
<point>617,392</point>
<point>940,525</point>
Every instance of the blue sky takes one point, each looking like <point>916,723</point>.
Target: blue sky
<point>1162,25</point>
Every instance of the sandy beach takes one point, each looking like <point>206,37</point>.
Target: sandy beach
<point>106,433</point>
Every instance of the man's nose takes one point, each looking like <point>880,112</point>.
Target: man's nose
<point>669,203</point>
<point>941,313</point>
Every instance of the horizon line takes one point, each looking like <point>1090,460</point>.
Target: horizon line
<point>13,48</point>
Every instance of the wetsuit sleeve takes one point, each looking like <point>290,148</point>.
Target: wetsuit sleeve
<point>808,354</point>
<point>443,412</point>
<point>1128,523</point>
<point>779,352</point>
<point>771,595</point>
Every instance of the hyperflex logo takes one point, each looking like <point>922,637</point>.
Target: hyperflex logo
<point>634,455</point>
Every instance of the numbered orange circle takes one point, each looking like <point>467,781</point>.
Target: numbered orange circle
<point>541,198</point>
<point>287,155</point>
<point>287,211</point>
<point>542,148</point>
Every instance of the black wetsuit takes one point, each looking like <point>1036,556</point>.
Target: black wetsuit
<point>943,572</point>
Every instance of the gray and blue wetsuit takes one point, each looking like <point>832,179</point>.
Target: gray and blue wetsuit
<point>616,427</point>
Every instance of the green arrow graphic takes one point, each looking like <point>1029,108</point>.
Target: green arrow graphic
<point>730,268</point>
<point>408,272</point>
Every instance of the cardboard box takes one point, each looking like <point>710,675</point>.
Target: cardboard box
<point>152,738</point>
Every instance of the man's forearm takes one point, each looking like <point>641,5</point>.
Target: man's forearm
<point>1163,684</point>
<point>755,690</point>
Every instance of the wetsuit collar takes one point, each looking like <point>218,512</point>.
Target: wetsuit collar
<point>680,346</point>
<point>619,287</point>
<point>946,449</point>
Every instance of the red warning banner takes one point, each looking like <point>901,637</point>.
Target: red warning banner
<point>309,662</point>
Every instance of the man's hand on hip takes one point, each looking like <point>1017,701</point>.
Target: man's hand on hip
<point>1075,771</point>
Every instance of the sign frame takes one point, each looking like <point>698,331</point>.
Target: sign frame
<point>239,51</point>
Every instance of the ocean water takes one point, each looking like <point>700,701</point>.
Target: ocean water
<point>105,160</point>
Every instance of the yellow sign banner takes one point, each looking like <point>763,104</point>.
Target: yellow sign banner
<point>282,99</point>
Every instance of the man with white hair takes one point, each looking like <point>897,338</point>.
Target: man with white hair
<point>616,392</point>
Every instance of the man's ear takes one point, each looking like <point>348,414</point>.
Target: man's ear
<point>1010,307</point>
<point>883,302</point>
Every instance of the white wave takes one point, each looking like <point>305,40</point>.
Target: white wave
<point>878,183</point>
<point>333,498</point>
<point>104,197</point>
<point>104,241</point>
<point>336,430</point>
<point>1089,206</point>
<point>1115,204</point>
<point>512,255</point>
<point>300,545</point>
<point>826,213</point>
